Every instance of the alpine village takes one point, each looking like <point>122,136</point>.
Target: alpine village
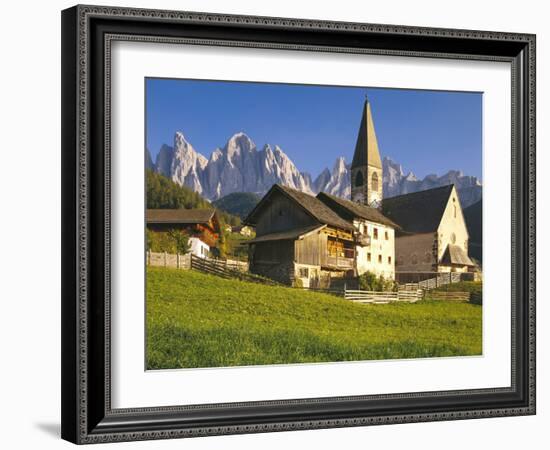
<point>324,241</point>
<point>419,249</point>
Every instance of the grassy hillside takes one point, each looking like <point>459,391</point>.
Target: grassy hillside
<point>238,203</point>
<point>197,320</point>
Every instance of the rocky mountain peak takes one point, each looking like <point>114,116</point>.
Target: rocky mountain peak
<point>240,167</point>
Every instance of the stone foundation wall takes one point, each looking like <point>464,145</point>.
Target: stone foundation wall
<point>281,272</point>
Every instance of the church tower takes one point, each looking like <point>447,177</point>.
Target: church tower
<point>366,168</point>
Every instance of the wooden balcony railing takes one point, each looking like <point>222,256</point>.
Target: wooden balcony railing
<point>340,261</point>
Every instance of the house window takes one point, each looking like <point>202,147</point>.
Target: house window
<point>414,259</point>
<point>303,272</point>
<point>453,238</point>
<point>399,261</point>
<point>359,179</point>
<point>428,257</point>
<point>368,257</point>
<point>380,258</point>
<point>375,233</point>
<point>374,183</point>
<point>386,235</point>
<point>389,259</point>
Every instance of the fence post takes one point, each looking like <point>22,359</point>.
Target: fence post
<point>177,260</point>
<point>148,257</point>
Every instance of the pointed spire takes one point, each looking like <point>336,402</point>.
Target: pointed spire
<point>366,148</point>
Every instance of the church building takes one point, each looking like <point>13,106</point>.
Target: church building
<point>433,235</point>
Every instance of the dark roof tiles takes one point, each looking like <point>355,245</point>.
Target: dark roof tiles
<point>311,205</point>
<point>356,209</point>
<point>418,212</point>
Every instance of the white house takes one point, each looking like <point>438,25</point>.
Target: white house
<point>198,247</point>
<point>374,235</point>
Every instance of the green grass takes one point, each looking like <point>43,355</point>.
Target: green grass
<point>198,320</point>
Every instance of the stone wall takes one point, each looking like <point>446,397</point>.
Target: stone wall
<point>281,272</point>
<point>416,253</point>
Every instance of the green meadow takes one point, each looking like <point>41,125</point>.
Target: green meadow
<point>199,320</point>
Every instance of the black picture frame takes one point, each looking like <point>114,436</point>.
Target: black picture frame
<point>87,416</point>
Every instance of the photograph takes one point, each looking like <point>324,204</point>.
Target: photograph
<point>299,224</point>
<point>283,220</point>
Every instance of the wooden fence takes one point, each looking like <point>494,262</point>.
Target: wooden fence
<point>430,280</point>
<point>449,296</point>
<point>227,270</point>
<point>410,296</point>
<point>169,260</point>
<point>179,261</point>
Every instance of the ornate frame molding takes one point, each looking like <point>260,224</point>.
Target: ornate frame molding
<point>85,421</point>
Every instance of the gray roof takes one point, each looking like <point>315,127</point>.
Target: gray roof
<point>419,212</point>
<point>455,255</point>
<point>355,210</point>
<point>311,205</point>
<point>186,216</point>
<point>286,235</point>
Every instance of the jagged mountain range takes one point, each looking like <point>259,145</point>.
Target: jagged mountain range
<point>240,167</point>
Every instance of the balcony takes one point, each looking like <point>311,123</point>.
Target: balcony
<point>340,262</point>
<point>363,239</point>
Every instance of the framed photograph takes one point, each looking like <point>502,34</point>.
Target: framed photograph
<point>280,224</point>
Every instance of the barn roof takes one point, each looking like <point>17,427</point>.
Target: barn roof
<point>418,212</point>
<point>310,204</point>
<point>286,235</point>
<point>455,255</point>
<point>355,209</point>
<point>179,215</point>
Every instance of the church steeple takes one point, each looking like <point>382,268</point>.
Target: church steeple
<point>366,168</point>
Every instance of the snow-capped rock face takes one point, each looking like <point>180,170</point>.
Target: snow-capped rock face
<point>396,183</point>
<point>339,183</point>
<point>164,159</point>
<point>187,165</point>
<point>148,160</point>
<point>240,167</point>
<point>321,181</point>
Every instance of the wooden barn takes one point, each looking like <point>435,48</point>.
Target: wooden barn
<point>299,237</point>
<point>201,223</point>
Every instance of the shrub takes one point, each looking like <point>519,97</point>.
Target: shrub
<point>371,282</point>
<point>181,241</point>
<point>173,241</point>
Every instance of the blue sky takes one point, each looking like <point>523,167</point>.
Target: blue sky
<point>426,131</point>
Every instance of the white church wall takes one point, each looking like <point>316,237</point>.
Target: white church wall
<point>452,228</point>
